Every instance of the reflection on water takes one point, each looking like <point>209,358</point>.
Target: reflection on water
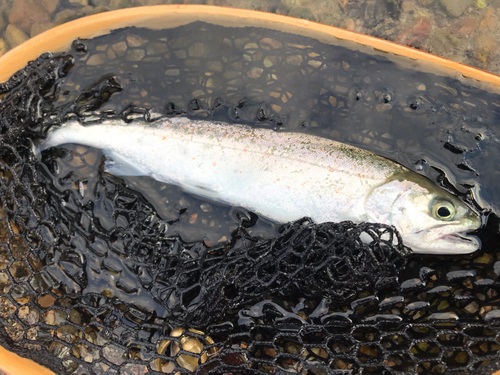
<point>94,284</point>
<point>461,30</point>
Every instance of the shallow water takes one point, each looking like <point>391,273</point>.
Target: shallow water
<point>462,30</point>
<point>438,126</point>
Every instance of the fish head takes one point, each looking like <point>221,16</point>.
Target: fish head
<point>429,219</point>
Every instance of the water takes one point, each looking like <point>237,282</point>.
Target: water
<point>466,32</point>
<point>442,127</point>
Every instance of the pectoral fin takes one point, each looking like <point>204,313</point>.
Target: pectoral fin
<point>119,165</point>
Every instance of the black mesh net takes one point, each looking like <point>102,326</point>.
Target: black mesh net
<point>93,279</point>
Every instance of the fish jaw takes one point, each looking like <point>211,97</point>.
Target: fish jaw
<point>446,239</point>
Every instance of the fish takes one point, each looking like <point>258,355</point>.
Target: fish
<point>283,176</point>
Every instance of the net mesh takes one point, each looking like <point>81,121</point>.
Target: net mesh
<point>313,299</point>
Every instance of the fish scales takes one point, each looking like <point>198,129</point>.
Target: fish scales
<point>240,165</point>
<point>280,175</point>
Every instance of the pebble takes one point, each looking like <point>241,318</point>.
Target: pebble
<point>426,3</point>
<point>350,24</point>
<point>136,55</point>
<point>489,20</point>
<point>301,12</point>
<point>15,36</point>
<point>464,26</point>
<point>65,15</point>
<point>3,47</point>
<point>25,13</point>
<point>485,48</point>
<point>289,4</point>
<point>331,14</point>
<point>79,2</point>
<point>50,5</point>
<point>38,28</point>
<point>120,4</point>
<point>455,8</point>
<point>416,34</point>
<point>408,6</point>
<point>443,43</point>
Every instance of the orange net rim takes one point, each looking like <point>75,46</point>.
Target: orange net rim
<point>60,38</point>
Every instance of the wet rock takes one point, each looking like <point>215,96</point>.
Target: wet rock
<point>136,55</point>
<point>155,48</point>
<point>25,13</point>
<point>408,6</point>
<point>15,36</point>
<point>3,47</point>
<point>290,4</point>
<point>455,8</point>
<point>331,14</point>
<point>464,26</point>
<point>120,4</point>
<point>50,5</point>
<point>426,3</point>
<point>262,5</point>
<point>350,24</point>
<point>89,10</point>
<point>96,59</point>
<point>374,12</point>
<point>301,12</point>
<point>39,28</point>
<point>65,15</point>
<point>485,48</point>
<point>416,34</point>
<point>489,20</point>
<point>441,43</point>
<point>79,2</point>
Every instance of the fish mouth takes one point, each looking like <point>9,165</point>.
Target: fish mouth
<point>461,243</point>
<point>459,238</point>
<point>437,243</point>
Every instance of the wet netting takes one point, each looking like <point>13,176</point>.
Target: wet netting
<point>104,275</point>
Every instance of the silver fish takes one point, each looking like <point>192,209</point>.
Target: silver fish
<point>283,176</point>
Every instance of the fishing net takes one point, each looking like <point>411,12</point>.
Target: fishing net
<point>94,280</point>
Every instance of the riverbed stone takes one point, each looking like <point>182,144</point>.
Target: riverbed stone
<point>25,13</point>
<point>464,26</point>
<point>3,47</point>
<point>39,28</point>
<point>302,12</point>
<point>485,48</point>
<point>416,34</point>
<point>442,42</point>
<point>455,8</point>
<point>50,5</point>
<point>65,15</point>
<point>489,20</point>
<point>79,2</point>
<point>120,4</point>
<point>15,36</point>
<point>426,3</point>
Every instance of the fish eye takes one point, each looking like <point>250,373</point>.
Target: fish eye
<point>443,209</point>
